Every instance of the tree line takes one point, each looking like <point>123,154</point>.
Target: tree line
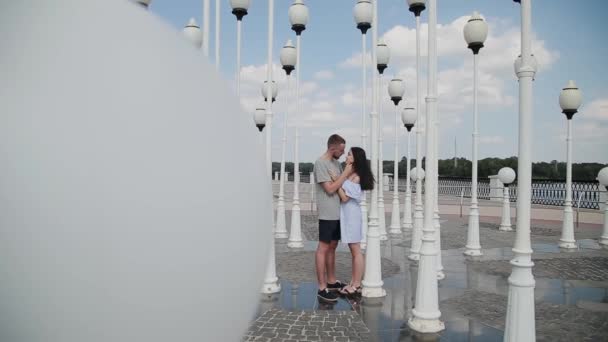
<point>462,167</point>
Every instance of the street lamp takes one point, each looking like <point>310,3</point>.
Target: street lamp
<point>408,116</point>
<point>602,177</point>
<point>274,88</point>
<point>259,118</point>
<point>506,176</point>
<point>396,89</point>
<point>570,99</point>
<point>363,13</point>
<point>426,314</point>
<point>372,279</point>
<point>416,7</point>
<point>295,236</point>
<point>475,34</point>
<point>193,33</point>
<point>239,9</point>
<point>288,60</point>
<point>417,176</point>
<point>520,319</point>
<point>383,57</point>
<point>271,282</point>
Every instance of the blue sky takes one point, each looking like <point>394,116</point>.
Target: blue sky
<point>568,43</point>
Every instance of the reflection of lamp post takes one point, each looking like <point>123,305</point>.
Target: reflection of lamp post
<point>475,34</point>
<point>193,33</point>
<point>520,320</point>
<point>569,100</point>
<point>288,60</point>
<point>408,116</point>
<point>506,176</point>
<point>426,314</point>
<point>396,91</point>
<point>271,282</point>
<point>602,177</point>
<point>239,9</point>
<point>383,55</point>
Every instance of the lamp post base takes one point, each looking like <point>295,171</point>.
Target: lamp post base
<point>371,291</point>
<point>505,228</point>
<point>280,235</point>
<point>567,244</point>
<point>271,287</point>
<point>425,326</point>
<point>603,240</point>
<point>472,251</point>
<point>414,257</point>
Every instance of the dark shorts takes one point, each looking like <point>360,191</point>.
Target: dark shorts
<point>329,230</point>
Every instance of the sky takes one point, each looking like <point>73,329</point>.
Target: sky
<point>567,42</point>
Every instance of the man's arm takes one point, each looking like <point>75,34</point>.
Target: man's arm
<point>332,187</point>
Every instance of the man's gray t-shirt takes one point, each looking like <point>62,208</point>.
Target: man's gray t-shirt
<point>328,206</point>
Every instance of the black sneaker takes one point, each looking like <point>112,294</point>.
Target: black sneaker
<point>337,286</point>
<point>327,295</point>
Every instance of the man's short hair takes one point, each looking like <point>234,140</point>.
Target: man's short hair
<point>335,139</point>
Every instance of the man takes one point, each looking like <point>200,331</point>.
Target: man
<point>328,207</point>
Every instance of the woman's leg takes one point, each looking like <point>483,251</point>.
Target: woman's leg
<point>358,264</point>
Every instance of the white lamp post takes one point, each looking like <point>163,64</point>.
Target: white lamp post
<point>363,14</point>
<point>408,116</point>
<point>273,88</point>
<point>416,7</point>
<point>217,33</point>
<point>239,9</point>
<point>193,33</point>
<point>206,15</point>
<point>570,100</point>
<point>602,177</point>
<point>259,118</point>
<point>396,89</point>
<point>295,236</point>
<point>271,282</point>
<point>475,34</point>
<point>383,55</point>
<point>372,280</point>
<point>506,176</point>
<point>426,314</point>
<point>288,60</point>
<point>520,321</point>
<point>417,176</point>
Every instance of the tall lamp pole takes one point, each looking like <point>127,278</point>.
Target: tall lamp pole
<point>288,60</point>
<point>409,117</point>
<point>520,318</point>
<point>363,14</point>
<point>383,55</point>
<point>271,282</point>
<point>206,15</point>
<point>602,177</point>
<point>506,176</point>
<point>192,32</point>
<point>372,281</point>
<point>426,314</point>
<point>396,90</point>
<point>239,9</point>
<point>295,237</point>
<point>570,100</point>
<point>475,34</point>
<point>218,27</point>
<point>416,7</point>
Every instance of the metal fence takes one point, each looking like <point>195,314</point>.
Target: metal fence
<point>545,192</point>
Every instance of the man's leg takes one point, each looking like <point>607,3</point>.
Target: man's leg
<point>320,262</point>
<point>330,261</point>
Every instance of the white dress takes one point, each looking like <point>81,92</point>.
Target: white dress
<point>351,224</point>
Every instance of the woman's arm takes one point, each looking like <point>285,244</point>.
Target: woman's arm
<point>343,196</point>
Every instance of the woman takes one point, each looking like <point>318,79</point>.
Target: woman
<point>351,224</point>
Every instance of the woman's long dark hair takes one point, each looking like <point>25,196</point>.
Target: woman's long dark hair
<point>362,168</point>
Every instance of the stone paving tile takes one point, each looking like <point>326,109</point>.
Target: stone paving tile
<point>276,325</point>
<point>554,322</point>
<point>299,266</point>
<point>571,268</point>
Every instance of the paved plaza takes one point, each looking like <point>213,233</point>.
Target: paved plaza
<point>571,289</point>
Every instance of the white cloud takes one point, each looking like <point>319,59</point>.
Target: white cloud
<point>491,139</point>
<point>595,110</point>
<point>323,75</point>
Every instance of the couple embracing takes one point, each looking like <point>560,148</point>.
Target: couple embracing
<point>338,193</point>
